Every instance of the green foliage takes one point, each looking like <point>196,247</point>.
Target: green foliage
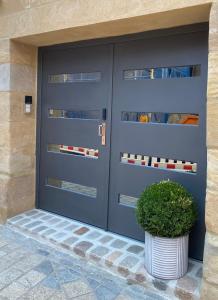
<point>166,209</point>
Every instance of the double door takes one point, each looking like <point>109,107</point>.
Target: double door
<point>116,117</point>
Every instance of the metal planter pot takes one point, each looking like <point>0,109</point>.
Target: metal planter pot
<point>166,258</point>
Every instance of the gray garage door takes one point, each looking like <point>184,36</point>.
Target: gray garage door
<point>118,116</point>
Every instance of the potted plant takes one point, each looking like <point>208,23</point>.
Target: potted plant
<point>167,212</point>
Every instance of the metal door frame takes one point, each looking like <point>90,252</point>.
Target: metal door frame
<point>113,40</point>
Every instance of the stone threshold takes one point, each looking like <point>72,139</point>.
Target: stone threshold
<point>117,254</point>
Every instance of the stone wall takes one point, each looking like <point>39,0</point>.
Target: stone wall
<point>17,130</point>
<point>210,270</point>
<point>45,22</point>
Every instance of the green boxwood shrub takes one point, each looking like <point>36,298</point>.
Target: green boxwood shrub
<point>166,209</point>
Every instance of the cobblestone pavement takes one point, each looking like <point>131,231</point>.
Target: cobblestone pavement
<point>114,253</point>
<point>30,269</point>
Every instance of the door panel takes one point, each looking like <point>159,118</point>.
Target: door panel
<point>158,75</point>
<point>74,166</point>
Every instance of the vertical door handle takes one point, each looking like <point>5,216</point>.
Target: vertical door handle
<point>102,133</point>
<point>100,130</point>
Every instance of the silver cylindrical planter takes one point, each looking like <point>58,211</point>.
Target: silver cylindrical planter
<point>166,258</point>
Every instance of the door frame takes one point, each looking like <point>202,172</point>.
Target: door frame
<point>100,41</point>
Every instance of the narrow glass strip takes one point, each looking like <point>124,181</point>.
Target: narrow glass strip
<point>160,163</point>
<point>162,72</point>
<point>127,200</point>
<point>74,114</point>
<point>161,118</point>
<point>75,77</point>
<point>72,150</point>
<point>72,187</point>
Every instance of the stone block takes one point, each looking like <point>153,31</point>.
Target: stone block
<point>127,264</point>
<point>23,54</point>
<point>135,249</point>
<point>22,78</point>
<point>5,71</point>
<point>212,171</point>
<point>212,122</point>
<point>209,291</point>
<point>112,257</point>
<point>82,247</point>
<point>118,244</point>
<point>210,267</point>
<point>4,183</point>
<point>98,253</point>
<point>21,194</point>
<point>5,107</point>
<point>4,51</point>
<point>211,206</point>
<point>13,6</point>
<point>212,88</point>
<point>81,231</point>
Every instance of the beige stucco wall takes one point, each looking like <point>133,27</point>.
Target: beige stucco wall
<point>27,24</point>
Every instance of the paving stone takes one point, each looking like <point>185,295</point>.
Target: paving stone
<point>51,282</point>
<point>29,262</point>
<point>9,276</point>
<point>199,273</point>
<point>124,297</point>
<point>3,243</point>
<point>32,213</point>
<point>39,292</point>
<point>140,274</point>
<point>70,227</point>
<point>159,284</point>
<point>111,258</point>
<point>81,230</point>
<point>190,266</point>
<point>118,244</point>
<point>126,264</point>
<point>31,278</point>
<point>47,217</point>
<point>106,239</point>
<point>93,235</point>
<point>87,297</point>
<point>59,236</point>
<point>39,229</point>
<point>39,215</point>
<point>153,296</point>
<point>67,275</point>
<point>13,291</point>
<point>98,253</point>
<point>69,242</point>
<point>23,221</point>
<point>104,293</point>
<point>44,267</point>
<point>77,288</point>
<point>93,283</point>
<point>187,283</point>
<point>2,253</point>
<point>42,252</point>
<point>135,249</point>
<point>81,248</point>
<point>33,224</point>
<point>16,218</point>
<point>58,296</point>
<point>62,224</point>
<point>48,232</point>
<point>54,221</point>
